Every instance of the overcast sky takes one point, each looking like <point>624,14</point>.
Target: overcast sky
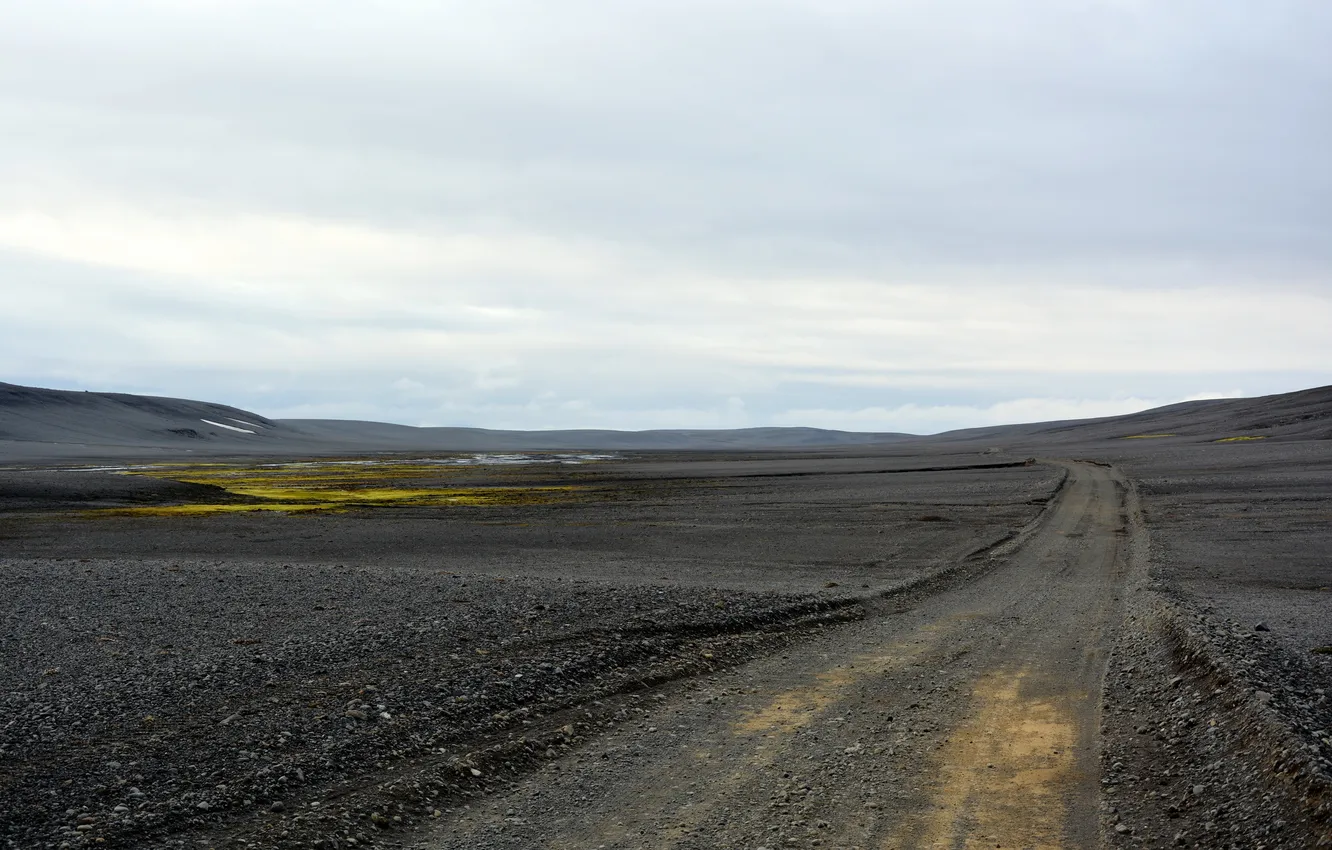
<point>583,213</point>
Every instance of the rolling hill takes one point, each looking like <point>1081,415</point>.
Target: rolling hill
<point>48,424</point>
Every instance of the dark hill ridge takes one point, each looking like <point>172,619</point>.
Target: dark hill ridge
<point>408,438</point>
<point>44,424</point>
<point>64,417</point>
<point>48,424</point>
<point>1304,414</point>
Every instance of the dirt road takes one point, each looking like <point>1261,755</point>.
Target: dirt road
<point>968,720</point>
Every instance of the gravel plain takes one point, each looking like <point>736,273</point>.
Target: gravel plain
<point>315,680</point>
<point>382,676</point>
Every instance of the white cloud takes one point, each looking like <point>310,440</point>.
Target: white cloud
<point>1206,395</point>
<point>294,255</point>
<point>407,385</point>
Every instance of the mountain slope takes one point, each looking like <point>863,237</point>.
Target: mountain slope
<point>48,424</point>
<point>42,422</point>
<point>481,439</point>
<point>1304,414</point>
<point>31,414</point>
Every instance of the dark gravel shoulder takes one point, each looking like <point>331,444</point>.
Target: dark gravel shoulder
<point>1212,739</point>
<point>149,698</point>
<point>1217,713</point>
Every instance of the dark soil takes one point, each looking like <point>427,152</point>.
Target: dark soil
<point>1218,721</point>
<point>282,680</point>
<point>175,678</point>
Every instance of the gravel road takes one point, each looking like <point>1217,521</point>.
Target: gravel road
<point>970,716</point>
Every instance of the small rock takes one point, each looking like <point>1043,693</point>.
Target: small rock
<point>1261,627</point>
<point>277,807</point>
<point>1122,829</point>
<point>356,714</point>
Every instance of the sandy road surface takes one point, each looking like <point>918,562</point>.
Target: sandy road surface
<point>969,720</point>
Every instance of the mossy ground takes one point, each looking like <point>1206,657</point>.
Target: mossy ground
<point>330,486</point>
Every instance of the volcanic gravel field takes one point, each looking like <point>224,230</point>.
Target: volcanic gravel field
<point>1220,728</point>
<point>923,646</point>
<point>176,676</point>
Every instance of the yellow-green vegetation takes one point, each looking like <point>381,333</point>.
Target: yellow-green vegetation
<point>1242,439</point>
<point>329,486</point>
<point>415,496</point>
<point>206,510</point>
<point>1147,436</point>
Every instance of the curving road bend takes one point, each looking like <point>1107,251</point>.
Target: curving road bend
<point>969,720</point>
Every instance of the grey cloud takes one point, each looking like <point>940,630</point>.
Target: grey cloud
<point>867,132</point>
<point>1133,146</point>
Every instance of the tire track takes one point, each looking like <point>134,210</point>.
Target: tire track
<point>969,720</point>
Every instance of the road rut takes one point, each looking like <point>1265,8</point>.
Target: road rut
<point>969,720</point>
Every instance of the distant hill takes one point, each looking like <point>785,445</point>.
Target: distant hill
<point>45,424</point>
<point>48,423</point>
<point>1304,414</point>
<point>407,438</point>
<point>93,421</point>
